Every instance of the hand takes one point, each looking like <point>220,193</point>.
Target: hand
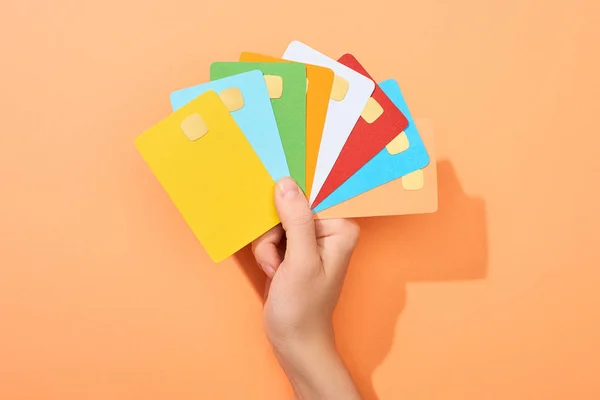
<point>306,262</point>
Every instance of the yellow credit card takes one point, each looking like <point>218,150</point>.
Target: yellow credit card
<point>210,171</point>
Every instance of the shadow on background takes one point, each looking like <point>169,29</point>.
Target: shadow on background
<point>449,245</point>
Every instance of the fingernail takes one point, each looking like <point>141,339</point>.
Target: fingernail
<point>288,189</point>
<point>267,269</point>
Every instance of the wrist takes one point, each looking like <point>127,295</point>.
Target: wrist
<point>291,341</point>
<point>303,353</point>
<point>315,369</point>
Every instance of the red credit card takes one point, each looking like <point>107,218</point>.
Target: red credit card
<point>380,122</point>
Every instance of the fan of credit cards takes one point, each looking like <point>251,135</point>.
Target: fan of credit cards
<point>350,143</point>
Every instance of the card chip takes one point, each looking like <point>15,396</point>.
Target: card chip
<point>398,144</point>
<point>372,111</point>
<point>233,98</point>
<point>194,127</point>
<point>274,86</point>
<point>413,181</point>
<point>339,89</point>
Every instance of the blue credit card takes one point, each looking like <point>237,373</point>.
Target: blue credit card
<point>256,118</point>
<point>384,167</point>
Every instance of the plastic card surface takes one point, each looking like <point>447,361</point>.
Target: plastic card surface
<point>319,81</point>
<point>252,112</point>
<point>349,95</point>
<point>389,164</point>
<point>286,84</point>
<point>211,172</point>
<point>380,122</point>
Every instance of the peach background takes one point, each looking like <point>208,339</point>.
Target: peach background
<point>105,293</point>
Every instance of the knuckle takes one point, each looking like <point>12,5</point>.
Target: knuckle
<point>258,249</point>
<point>351,231</point>
<point>300,218</point>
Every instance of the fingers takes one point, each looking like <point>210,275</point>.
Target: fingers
<point>297,220</point>
<point>337,239</point>
<point>266,251</point>
<point>344,232</point>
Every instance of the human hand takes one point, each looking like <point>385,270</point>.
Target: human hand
<point>305,262</point>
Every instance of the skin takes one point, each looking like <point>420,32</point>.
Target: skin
<point>306,262</point>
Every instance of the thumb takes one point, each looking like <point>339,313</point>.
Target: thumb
<point>296,219</point>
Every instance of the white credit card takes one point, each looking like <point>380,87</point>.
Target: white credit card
<point>350,94</point>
